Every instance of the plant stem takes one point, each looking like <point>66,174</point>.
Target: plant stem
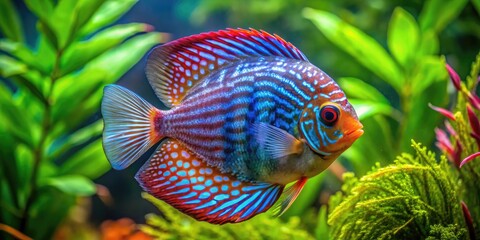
<point>39,150</point>
<point>14,232</point>
<point>405,106</point>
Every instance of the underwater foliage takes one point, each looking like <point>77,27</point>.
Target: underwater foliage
<point>414,198</point>
<point>410,67</point>
<point>176,225</point>
<point>461,141</point>
<point>418,196</point>
<point>50,90</point>
<point>50,150</point>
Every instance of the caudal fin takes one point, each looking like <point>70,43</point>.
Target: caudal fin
<point>129,126</point>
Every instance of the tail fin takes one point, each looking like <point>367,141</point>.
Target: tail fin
<point>130,127</point>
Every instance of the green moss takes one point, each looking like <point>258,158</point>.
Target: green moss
<point>449,232</point>
<point>176,225</point>
<point>411,199</point>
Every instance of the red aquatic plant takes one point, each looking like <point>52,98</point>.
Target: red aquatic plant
<point>448,141</point>
<point>468,220</point>
<point>459,141</point>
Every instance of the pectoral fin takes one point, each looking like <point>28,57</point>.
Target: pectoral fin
<point>277,142</point>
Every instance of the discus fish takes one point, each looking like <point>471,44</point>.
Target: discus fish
<point>248,114</point>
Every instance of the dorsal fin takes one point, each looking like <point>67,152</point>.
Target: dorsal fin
<point>174,68</point>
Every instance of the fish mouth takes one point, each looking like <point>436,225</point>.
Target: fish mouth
<point>354,134</point>
<point>348,138</point>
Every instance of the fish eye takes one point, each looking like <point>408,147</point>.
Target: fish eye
<point>329,114</point>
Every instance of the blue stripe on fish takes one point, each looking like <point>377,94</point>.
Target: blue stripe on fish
<point>219,199</point>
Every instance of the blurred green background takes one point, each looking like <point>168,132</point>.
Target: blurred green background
<point>388,56</point>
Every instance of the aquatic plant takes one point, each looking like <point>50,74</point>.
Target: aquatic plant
<point>416,196</point>
<point>408,69</point>
<point>460,143</point>
<point>176,225</point>
<point>50,149</point>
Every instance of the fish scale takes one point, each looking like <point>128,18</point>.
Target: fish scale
<point>247,115</point>
<point>228,121</point>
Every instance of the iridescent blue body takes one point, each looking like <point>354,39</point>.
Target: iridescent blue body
<point>247,115</point>
<point>215,119</point>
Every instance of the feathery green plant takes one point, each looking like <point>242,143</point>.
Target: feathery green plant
<point>176,225</point>
<point>48,154</point>
<point>414,198</point>
<point>461,142</point>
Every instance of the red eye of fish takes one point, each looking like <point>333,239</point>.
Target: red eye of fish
<point>329,115</point>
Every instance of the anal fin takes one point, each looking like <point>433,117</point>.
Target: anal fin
<point>288,197</point>
<point>179,177</point>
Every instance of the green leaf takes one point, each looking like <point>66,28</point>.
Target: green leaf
<point>62,22</point>
<point>421,120</point>
<point>10,212</point>
<point>375,145</point>
<point>24,162</point>
<point>86,88</point>
<point>89,162</point>
<point>108,13</point>
<point>356,88</point>
<point>12,118</point>
<point>20,51</point>
<point>48,211</point>
<point>49,34</point>
<point>76,185</point>
<point>427,71</point>
<point>70,94</point>
<point>47,53</point>
<point>81,53</point>
<point>429,44</point>
<point>10,24</point>
<point>76,139</point>
<point>70,16</point>
<point>28,81</point>
<point>8,166</point>
<point>85,10</point>
<point>118,61</point>
<point>403,36</point>
<point>436,14</point>
<point>21,76</point>
<point>322,229</point>
<point>476,4</point>
<point>43,9</point>
<point>10,67</point>
<point>359,45</point>
<point>366,109</point>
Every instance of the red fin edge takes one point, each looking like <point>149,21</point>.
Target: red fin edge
<point>289,196</point>
<point>176,67</point>
<point>177,176</point>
